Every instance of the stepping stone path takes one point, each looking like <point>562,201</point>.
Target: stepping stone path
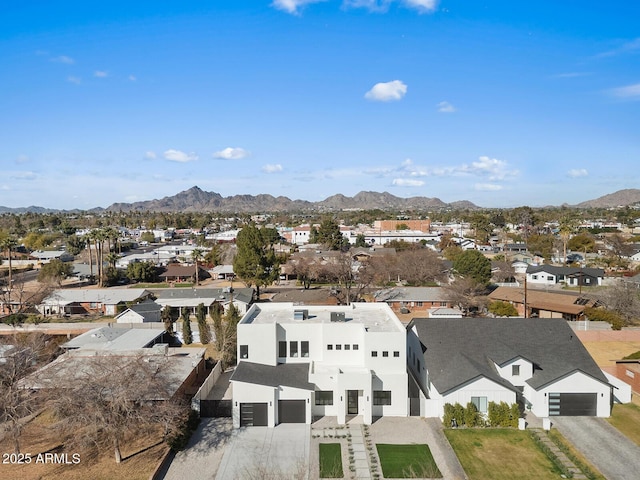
<point>560,455</point>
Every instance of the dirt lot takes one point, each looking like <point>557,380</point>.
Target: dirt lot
<point>140,458</point>
<point>608,346</point>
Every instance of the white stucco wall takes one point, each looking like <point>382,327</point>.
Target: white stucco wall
<point>526,371</point>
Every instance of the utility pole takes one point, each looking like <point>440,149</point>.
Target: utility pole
<point>525,295</point>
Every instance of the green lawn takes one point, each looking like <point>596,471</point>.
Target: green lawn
<point>331,460</point>
<point>500,454</point>
<point>407,461</point>
<point>626,418</point>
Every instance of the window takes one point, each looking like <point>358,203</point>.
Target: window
<point>418,304</point>
<point>304,348</point>
<point>385,353</point>
<point>282,349</point>
<point>347,346</point>
<point>293,349</point>
<point>382,397</point>
<point>480,403</point>
<point>244,351</point>
<point>630,374</point>
<point>535,277</point>
<point>355,346</point>
<point>396,353</point>
<point>338,346</point>
<point>329,347</point>
<point>374,353</point>
<point>515,370</point>
<point>324,397</point>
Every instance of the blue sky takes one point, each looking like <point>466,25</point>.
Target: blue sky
<point>503,103</point>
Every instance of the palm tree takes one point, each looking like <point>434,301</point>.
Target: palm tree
<point>112,258</point>
<point>197,254</point>
<point>9,244</point>
<point>88,238</point>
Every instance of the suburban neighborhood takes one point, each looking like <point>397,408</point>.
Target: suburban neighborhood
<point>303,352</point>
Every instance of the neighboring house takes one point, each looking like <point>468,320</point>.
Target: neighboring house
<point>46,256</point>
<point>414,299</point>
<point>545,304</point>
<point>298,363</point>
<point>85,301</point>
<point>550,275</point>
<point>190,298</point>
<point>519,267</point>
<point>223,272</point>
<point>539,363</point>
<point>629,372</point>
<point>144,312</point>
<point>515,248</point>
<point>183,273</point>
<point>116,339</point>
<point>150,257</point>
<point>442,312</point>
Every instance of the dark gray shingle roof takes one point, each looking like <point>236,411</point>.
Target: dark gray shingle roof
<point>460,350</point>
<point>294,375</point>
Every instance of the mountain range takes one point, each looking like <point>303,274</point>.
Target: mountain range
<point>196,199</point>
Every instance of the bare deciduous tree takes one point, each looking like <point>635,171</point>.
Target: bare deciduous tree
<point>467,294</point>
<point>109,398</point>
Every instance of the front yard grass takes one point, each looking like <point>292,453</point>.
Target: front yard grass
<point>407,461</point>
<point>500,454</point>
<point>626,418</point>
<point>331,460</point>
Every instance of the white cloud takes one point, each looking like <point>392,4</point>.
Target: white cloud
<point>407,182</point>
<point>231,153</point>
<point>150,155</point>
<point>626,47</point>
<point>381,6</point>
<point>132,78</point>
<point>387,91</point>
<point>422,6</point>
<point>76,80</point>
<point>630,92</point>
<point>446,107</point>
<point>272,168</point>
<point>26,175</point>
<point>22,158</point>
<point>492,168</point>
<point>488,187</point>
<point>63,59</point>
<point>179,156</point>
<point>292,6</point>
<point>100,74</point>
<point>578,172</point>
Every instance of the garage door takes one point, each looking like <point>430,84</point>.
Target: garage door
<point>292,411</point>
<point>573,404</point>
<point>253,414</point>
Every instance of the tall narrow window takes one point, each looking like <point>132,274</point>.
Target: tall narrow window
<point>282,349</point>
<point>304,348</point>
<point>515,370</point>
<point>244,351</point>
<point>480,403</point>
<point>293,349</point>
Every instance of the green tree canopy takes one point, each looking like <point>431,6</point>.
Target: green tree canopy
<point>329,234</point>
<point>473,264</point>
<point>255,262</point>
<point>55,271</point>
<point>503,309</point>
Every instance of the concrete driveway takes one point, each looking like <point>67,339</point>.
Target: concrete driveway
<point>617,457</point>
<point>264,453</point>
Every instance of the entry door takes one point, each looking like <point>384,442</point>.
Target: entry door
<point>352,402</point>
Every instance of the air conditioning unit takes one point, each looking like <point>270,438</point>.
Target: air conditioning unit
<point>337,316</point>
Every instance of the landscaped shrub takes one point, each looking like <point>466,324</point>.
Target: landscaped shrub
<point>472,418</point>
<point>503,415</point>
<point>177,439</point>
<point>602,315</point>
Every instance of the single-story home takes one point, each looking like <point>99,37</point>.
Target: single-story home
<point>115,339</point>
<point>85,301</point>
<point>223,272</point>
<point>573,276</point>
<point>190,298</point>
<point>183,273</point>
<point>539,363</point>
<point>146,311</point>
<point>545,304</point>
<point>414,299</point>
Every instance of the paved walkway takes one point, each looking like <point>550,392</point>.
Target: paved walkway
<point>613,454</point>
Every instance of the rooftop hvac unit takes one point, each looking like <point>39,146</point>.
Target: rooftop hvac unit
<point>300,314</point>
<point>337,316</point>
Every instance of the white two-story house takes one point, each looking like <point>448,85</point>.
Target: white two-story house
<point>300,362</point>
